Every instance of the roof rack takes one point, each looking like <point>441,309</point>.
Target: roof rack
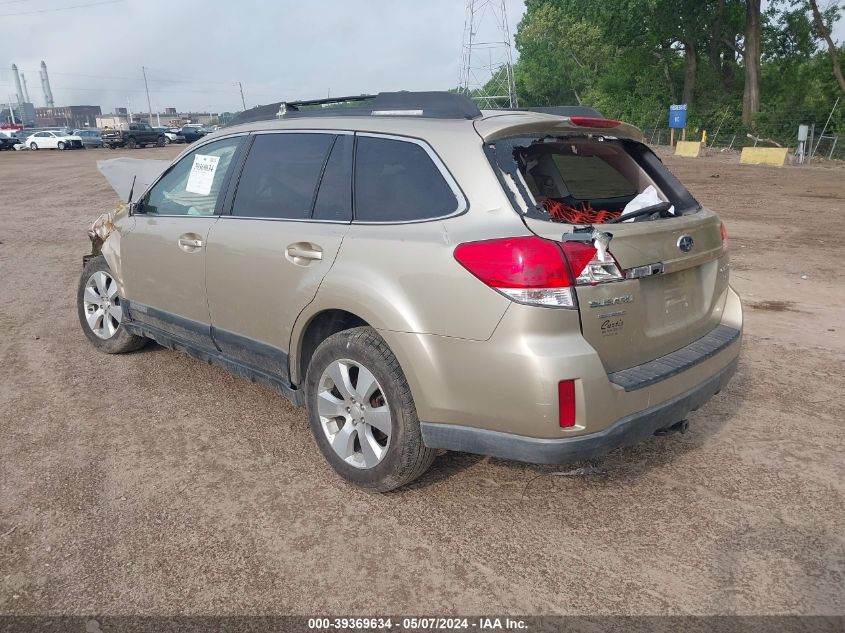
<point>433,105</point>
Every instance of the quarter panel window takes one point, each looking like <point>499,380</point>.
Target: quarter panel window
<point>397,181</point>
<point>192,186</point>
<point>280,176</point>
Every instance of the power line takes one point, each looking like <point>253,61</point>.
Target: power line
<point>54,9</point>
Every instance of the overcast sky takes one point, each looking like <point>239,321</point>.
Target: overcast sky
<point>196,52</point>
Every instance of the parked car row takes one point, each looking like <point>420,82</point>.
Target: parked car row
<point>137,135</point>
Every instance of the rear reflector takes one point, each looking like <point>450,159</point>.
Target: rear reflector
<point>566,400</point>
<point>595,122</point>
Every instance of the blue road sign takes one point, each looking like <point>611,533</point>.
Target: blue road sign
<point>678,116</point>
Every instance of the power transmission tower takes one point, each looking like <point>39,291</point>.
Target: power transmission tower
<point>243,101</point>
<point>147,88</point>
<point>487,55</point>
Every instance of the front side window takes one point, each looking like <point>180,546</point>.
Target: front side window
<point>397,181</point>
<point>280,176</point>
<point>193,185</point>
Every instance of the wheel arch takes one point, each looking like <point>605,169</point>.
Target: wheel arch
<point>311,330</point>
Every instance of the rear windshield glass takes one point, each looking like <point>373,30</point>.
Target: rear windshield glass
<point>587,180</point>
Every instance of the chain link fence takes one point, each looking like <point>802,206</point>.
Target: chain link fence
<point>726,131</point>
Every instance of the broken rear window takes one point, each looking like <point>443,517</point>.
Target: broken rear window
<point>588,180</point>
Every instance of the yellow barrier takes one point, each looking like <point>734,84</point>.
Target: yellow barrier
<point>775,156</point>
<point>690,149</point>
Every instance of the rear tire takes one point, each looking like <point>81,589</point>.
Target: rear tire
<point>369,433</point>
<point>33,146</point>
<point>100,311</point>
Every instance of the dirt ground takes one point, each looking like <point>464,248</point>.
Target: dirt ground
<point>151,483</point>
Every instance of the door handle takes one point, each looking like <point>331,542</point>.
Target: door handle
<point>190,242</point>
<point>304,251</point>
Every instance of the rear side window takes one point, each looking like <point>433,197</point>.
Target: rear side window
<point>280,176</point>
<point>334,199</point>
<point>397,181</point>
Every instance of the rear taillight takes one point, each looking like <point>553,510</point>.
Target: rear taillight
<point>587,266</point>
<point>526,269</point>
<point>594,122</point>
<point>724,232</point>
<point>537,271</point>
<point>566,403</point>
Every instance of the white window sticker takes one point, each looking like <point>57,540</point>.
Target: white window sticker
<point>202,174</point>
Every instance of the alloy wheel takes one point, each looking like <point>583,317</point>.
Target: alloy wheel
<point>354,413</point>
<point>102,304</point>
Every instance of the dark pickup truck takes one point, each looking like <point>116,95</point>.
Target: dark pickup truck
<point>138,135</point>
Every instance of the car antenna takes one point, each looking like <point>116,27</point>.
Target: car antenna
<point>132,189</point>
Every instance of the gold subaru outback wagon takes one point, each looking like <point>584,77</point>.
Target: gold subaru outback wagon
<point>423,275</point>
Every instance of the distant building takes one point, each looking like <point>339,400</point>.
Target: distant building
<point>67,116</point>
<point>115,121</point>
<point>21,113</point>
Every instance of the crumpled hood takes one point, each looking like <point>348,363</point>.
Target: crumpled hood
<point>120,172</point>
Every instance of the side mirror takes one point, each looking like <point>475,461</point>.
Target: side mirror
<point>136,208</point>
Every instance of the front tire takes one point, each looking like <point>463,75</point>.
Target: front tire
<point>131,143</point>
<point>162,141</point>
<point>362,414</point>
<point>60,145</point>
<point>100,310</point>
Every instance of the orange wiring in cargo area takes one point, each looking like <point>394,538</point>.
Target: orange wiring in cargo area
<point>562,212</point>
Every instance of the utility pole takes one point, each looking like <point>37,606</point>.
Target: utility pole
<point>243,102</point>
<point>147,88</point>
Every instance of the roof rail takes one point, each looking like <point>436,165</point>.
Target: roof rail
<point>433,105</point>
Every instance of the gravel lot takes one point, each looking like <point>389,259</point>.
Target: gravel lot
<point>153,484</point>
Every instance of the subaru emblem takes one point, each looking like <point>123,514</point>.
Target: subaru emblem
<point>685,243</point>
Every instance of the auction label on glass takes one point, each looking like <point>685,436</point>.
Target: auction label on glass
<point>202,174</point>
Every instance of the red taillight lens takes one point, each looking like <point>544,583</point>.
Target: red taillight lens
<point>526,269</point>
<point>566,403</point>
<point>724,232</point>
<point>595,122</point>
<point>515,262</point>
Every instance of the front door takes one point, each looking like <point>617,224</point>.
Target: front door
<point>266,259</point>
<point>163,255</point>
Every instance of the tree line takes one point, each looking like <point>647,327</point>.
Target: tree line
<point>761,70</point>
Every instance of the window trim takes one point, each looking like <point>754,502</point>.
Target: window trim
<point>231,203</point>
<point>463,204</point>
<point>218,208</point>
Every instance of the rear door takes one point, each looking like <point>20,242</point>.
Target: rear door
<point>266,258</point>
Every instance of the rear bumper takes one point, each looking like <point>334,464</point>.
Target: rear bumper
<point>628,430</point>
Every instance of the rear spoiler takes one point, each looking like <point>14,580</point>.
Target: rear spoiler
<point>563,125</point>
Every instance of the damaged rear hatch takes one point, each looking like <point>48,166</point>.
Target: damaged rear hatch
<point>588,184</point>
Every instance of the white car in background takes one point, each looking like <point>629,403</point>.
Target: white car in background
<point>53,140</point>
